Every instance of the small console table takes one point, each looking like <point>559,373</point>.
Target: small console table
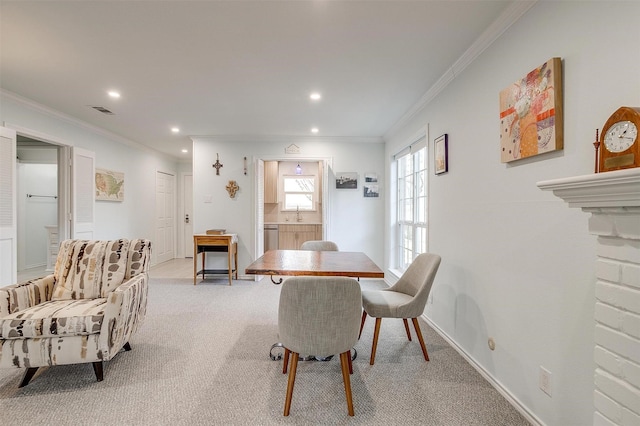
<point>203,243</point>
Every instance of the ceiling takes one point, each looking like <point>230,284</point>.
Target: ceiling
<point>242,69</point>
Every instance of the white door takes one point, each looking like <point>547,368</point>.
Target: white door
<point>8,222</point>
<point>82,193</point>
<point>165,217</point>
<point>187,192</point>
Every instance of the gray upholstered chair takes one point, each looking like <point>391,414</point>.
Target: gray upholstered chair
<point>319,245</point>
<point>405,299</point>
<point>319,316</point>
<point>85,312</point>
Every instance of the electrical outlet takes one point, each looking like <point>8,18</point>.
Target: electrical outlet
<point>545,380</point>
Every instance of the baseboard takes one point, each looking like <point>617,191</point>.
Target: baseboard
<point>488,377</point>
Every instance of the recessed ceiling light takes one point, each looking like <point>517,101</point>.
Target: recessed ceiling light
<point>315,96</point>
<point>185,150</point>
<point>175,130</point>
<point>314,130</point>
<point>114,94</point>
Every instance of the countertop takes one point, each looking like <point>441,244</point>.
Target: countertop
<point>293,222</point>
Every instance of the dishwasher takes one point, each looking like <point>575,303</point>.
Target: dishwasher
<point>270,237</point>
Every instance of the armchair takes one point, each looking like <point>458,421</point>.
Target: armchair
<point>86,311</point>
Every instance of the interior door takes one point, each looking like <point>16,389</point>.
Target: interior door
<point>187,192</point>
<point>165,217</point>
<point>82,194</point>
<point>8,220</point>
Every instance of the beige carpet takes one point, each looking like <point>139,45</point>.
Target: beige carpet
<point>202,358</point>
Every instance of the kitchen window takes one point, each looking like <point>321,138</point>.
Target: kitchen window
<point>299,192</point>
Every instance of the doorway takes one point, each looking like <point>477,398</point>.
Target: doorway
<point>38,204</point>
<point>165,216</point>
<point>269,212</point>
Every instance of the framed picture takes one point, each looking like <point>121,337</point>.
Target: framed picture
<point>347,180</point>
<point>370,186</point>
<point>370,178</point>
<point>531,113</point>
<point>109,185</point>
<point>441,154</point>
<point>371,190</point>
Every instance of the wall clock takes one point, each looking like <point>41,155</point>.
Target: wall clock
<point>620,147</point>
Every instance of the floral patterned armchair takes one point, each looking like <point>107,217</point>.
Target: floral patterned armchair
<point>86,311</point>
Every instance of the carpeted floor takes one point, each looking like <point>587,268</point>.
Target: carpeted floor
<point>202,358</point>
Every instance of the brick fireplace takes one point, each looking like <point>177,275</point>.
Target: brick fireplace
<point>613,200</point>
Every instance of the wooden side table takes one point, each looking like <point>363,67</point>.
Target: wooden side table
<point>203,243</point>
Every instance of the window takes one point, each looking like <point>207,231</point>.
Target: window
<point>411,236</point>
<point>298,192</point>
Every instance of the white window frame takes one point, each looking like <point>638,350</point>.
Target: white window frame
<point>310,194</point>
<point>411,237</point>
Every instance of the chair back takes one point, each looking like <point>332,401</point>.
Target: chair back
<point>319,245</point>
<point>416,282</point>
<point>319,315</point>
<point>90,269</point>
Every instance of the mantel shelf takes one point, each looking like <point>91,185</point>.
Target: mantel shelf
<point>620,188</point>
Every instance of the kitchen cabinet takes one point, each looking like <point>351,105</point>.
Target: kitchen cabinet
<point>270,182</point>
<point>291,236</point>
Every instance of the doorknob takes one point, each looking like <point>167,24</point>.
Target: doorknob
<point>186,218</point>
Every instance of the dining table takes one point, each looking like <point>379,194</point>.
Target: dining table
<point>313,263</point>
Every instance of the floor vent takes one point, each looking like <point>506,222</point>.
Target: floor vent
<point>102,110</point>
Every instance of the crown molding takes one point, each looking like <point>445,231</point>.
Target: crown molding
<point>510,16</point>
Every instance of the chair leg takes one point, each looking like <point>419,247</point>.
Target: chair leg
<point>419,333</point>
<point>344,362</point>
<point>97,368</point>
<point>28,375</point>
<point>350,364</point>
<point>406,328</point>
<point>285,360</point>
<point>127,347</point>
<point>291,382</point>
<point>376,332</point>
<point>364,318</point>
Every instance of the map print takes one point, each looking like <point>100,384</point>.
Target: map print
<point>109,185</point>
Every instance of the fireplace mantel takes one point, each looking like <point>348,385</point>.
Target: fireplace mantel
<point>620,188</point>
<point>613,199</point>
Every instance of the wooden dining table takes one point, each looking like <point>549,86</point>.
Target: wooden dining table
<point>314,263</point>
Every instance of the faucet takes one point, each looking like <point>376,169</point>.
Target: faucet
<point>298,218</point>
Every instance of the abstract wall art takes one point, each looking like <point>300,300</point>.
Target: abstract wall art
<point>531,113</point>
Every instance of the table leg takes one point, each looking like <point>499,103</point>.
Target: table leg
<point>278,355</point>
<point>235,256</point>
<point>204,259</point>
<point>229,254</point>
<point>195,263</point>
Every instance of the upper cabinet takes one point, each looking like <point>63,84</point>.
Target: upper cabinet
<point>270,182</point>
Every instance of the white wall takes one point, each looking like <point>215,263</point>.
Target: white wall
<point>355,222</point>
<point>518,264</point>
<point>133,218</point>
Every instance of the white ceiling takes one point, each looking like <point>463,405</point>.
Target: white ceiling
<point>236,68</point>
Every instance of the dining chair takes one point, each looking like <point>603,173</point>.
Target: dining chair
<point>405,299</point>
<point>319,316</point>
<point>319,245</point>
